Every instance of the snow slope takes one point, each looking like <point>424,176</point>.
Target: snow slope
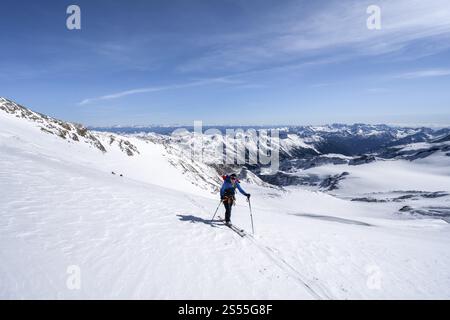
<point>149,161</point>
<point>429,174</point>
<point>148,235</point>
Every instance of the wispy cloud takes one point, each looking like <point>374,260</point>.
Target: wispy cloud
<point>339,26</point>
<point>328,34</point>
<point>424,74</point>
<point>197,83</point>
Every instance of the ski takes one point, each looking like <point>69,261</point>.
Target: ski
<point>240,232</point>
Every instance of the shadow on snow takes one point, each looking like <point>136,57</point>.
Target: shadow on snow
<point>195,219</point>
<point>333,219</point>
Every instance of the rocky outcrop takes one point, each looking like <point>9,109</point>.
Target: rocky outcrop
<point>285,179</point>
<point>64,130</point>
<point>332,183</point>
<point>361,160</point>
<point>71,132</point>
<point>432,212</point>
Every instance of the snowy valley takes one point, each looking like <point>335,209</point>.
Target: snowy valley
<point>354,212</point>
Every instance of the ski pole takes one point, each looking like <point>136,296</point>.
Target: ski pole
<point>251,215</point>
<point>216,211</point>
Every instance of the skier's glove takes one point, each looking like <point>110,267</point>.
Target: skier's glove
<point>248,195</point>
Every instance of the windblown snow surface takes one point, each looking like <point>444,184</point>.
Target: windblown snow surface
<point>147,234</point>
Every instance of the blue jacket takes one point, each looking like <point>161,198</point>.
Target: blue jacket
<point>227,184</point>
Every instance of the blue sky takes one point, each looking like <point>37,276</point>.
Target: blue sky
<point>229,62</point>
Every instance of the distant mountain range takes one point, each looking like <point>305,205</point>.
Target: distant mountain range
<point>305,147</point>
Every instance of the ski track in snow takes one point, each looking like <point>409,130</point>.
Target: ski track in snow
<point>281,263</point>
<point>318,292</point>
<point>271,254</point>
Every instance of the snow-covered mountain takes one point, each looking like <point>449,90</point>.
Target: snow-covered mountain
<point>132,214</point>
<point>342,139</point>
<point>307,147</point>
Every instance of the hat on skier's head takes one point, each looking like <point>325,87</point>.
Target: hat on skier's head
<point>232,176</point>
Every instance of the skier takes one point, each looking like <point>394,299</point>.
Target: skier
<point>227,193</point>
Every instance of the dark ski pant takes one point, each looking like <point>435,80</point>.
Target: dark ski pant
<point>228,204</point>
